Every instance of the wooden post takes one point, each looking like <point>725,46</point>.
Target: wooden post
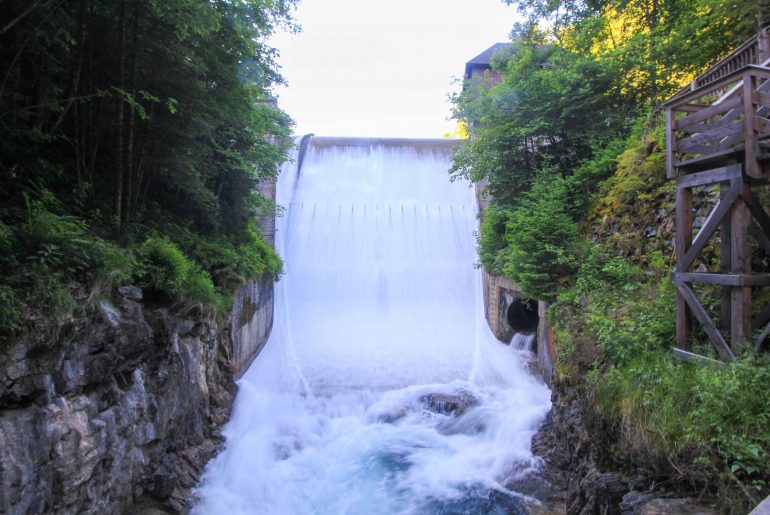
<point>763,42</point>
<point>751,165</point>
<point>684,222</point>
<point>725,260</point>
<point>670,142</point>
<point>740,263</point>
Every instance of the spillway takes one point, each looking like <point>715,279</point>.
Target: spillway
<point>381,388</point>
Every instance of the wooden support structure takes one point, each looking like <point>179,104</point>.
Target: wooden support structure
<point>718,135</point>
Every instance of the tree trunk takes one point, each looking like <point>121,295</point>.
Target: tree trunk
<point>118,204</point>
<point>130,175</point>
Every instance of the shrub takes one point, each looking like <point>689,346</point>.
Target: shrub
<point>198,287</point>
<point>257,258</point>
<point>164,270</point>
<point>10,310</point>
<point>702,426</point>
<point>492,244</point>
<point>231,264</point>
<point>67,245</point>
<point>163,267</point>
<point>542,241</point>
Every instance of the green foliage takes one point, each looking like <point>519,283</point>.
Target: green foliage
<point>541,240</point>
<point>653,46</point>
<point>561,143</point>
<point>46,260</point>
<point>199,288</point>
<point>121,121</point>
<point>65,244</point>
<point>492,246</point>
<point>10,311</point>
<point>700,426</point>
<point>165,271</point>
<point>551,110</point>
<point>164,268</point>
<point>230,263</point>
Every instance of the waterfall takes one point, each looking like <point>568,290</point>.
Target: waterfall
<point>381,388</point>
<point>520,341</point>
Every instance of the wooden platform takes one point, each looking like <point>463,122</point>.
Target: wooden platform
<point>718,135</point>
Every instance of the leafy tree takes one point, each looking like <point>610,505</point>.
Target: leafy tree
<point>552,108</point>
<point>140,118</point>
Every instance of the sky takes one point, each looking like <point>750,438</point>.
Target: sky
<point>382,68</point>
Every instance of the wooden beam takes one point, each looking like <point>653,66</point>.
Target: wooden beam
<point>760,215</point>
<point>725,352</point>
<point>762,124</point>
<point>740,263</point>
<point>691,108</point>
<point>736,280</point>
<point>708,112</point>
<point>718,158</point>
<point>730,78</point>
<point>725,244</point>
<point>720,211</point>
<point>670,142</point>
<point>729,118</point>
<point>711,137</point>
<point>695,358</point>
<point>683,241</point>
<point>760,98</point>
<point>761,338</point>
<point>750,164</point>
<point>721,174</point>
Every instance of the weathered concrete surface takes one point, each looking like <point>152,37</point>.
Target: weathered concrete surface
<point>120,410</point>
<point>252,321</point>
<point>545,345</point>
<point>499,292</point>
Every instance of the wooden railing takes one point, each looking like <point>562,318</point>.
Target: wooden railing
<point>704,130</point>
<point>754,51</point>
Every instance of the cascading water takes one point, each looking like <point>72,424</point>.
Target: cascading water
<point>520,341</point>
<point>381,389</point>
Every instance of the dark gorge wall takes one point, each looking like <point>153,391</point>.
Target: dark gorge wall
<point>120,411</point>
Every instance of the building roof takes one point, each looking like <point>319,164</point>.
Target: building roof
<point>484,59</point>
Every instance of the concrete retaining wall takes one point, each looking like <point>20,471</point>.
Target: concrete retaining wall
<point>499,293</point>
<point>252,322</point>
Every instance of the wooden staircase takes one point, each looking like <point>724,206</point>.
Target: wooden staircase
<point>718,134</point>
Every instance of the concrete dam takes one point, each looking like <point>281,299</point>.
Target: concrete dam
<point>381,388</point>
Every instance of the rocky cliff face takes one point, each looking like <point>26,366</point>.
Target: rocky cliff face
<point>113,413</point>
<point>576,446</point>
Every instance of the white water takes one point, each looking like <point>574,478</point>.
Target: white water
<point>520,341</point>
<point>380,307</point>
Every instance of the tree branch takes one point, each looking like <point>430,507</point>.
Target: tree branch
<point>8,26</point>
